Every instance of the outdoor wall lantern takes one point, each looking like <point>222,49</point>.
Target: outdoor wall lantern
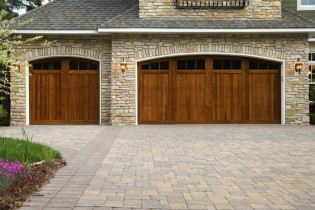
<point>123,66</point>
<point>298,65</point>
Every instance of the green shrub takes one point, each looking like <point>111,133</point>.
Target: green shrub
<point>26,151</point>
<point>3,112</point>
<point>312,105</point>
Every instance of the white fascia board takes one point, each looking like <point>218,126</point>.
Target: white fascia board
<point>183,30</point>
<point>56,32</point>
<point>311,40</point>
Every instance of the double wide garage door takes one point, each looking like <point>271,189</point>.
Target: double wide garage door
<point>209,89</point>
<point>64,91</point>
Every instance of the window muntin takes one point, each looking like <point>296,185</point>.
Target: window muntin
<point>263,65</point>
<point>311,56</point>
<point>191,64</point>
<point>75,65</point>
<point>162,65</point>
<point>312,73</point>
<point>47,65</point>
<point>227,64</point>
<point>305,4</point>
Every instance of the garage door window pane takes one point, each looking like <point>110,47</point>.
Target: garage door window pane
<point>164,65</point>
<point>253,65</point>
<point>83,66</point>
<point>155,66</point>
<point>74,65</point>
<point>201,64</point>
<point>46,66</point>
<point>37,66</point>
<point>181,65</point>
<point>263,65</point>
<point>191,64</point>
<point>145,67</point>
<point>57,65</point>
<point>227,64</point>
<point>217,64</point>
<point>92,66</point>
<point>236,64</point>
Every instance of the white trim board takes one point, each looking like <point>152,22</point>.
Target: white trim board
<point>194,31</point>
<point>57,32</point>
<point>101,31</point>
<point>299,6</point>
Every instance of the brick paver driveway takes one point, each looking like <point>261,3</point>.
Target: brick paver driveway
<point>179,167</point>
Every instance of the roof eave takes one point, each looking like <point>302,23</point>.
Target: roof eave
<point>198,31</point>
<point>101,31</point>
<point>56,32</point>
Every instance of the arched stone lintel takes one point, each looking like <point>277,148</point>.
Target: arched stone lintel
<point>63,51</point>
<point>210,48</point>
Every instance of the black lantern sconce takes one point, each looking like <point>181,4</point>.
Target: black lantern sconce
<point>298,66</point>
<point>123,66</point>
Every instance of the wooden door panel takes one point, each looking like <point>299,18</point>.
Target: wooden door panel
<point>227,97</point>
<point>221,89</point>
<point>190,97</point>
<point>264,100</point>
<point>59,95</point>
<point>83,101</point>
<point>45,98</point>
<point>153,97</point>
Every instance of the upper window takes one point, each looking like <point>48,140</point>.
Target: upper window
<point>163,65</point>
<point>191,64</point>
<point>312,67</point>
<point>227,64</point>
<point>306,4</point>
<point>263,65</point>
<point>47,65</point>
<point>311,56</point>
<point>82,65</point>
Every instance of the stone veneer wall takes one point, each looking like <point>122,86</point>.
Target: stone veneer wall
<point>257,9</point>
<point>135,47</point>
<point>119,90</point>
<point>96,47</point>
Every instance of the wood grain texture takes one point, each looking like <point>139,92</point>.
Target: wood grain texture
<point>64,96</point>
<point>209,96</point>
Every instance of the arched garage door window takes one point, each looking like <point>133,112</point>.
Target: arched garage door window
<point>209,89</point>
<point>64,91</point>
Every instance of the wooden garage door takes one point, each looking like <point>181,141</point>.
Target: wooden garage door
<point>64,91</point>
<point>209,89</point>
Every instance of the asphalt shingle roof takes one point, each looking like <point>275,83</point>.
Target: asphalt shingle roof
<point>93,14</point>
<point>75,14</point>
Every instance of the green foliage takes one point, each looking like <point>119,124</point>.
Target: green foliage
<point>26,151</point>
<point>312,94</point>
<point>3,112</point>
<point>312,104</point>
<point>11,55</point>
<point>11,6</point>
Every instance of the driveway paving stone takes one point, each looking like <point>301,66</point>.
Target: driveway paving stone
<point>179,167</point>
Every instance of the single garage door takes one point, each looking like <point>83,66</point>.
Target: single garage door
<point>64,91</point>
<point>209,89</point>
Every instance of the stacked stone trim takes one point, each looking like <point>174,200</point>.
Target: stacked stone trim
<point>257,9</point>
